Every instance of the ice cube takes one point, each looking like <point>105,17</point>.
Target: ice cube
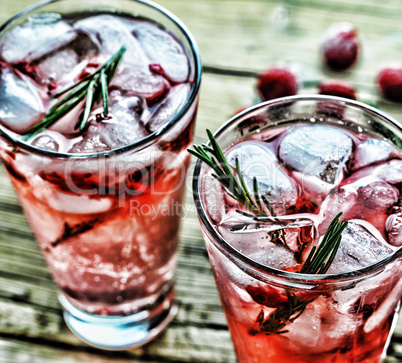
<point>140,81</point>
<point>388,309</point>
<point>370,152</point>
<point>359,299</point>
<point>305,331</point>
<point>213,198</point>
<point>125,125</point>
<point>122,127</point>
<point>257,160</point>
<point>91,142</point>
<point>273,244</point>
<point>340,200</point>
<point>52,141</point>
<point>320,151</point>
<point>65,64</point>
<point>312,186</point>
<point>133,74</point>
<point>320,328</point>
<point>368,198</point>
<point>169,107</point>
<point>110,34</point>
<point>20,104</point>
<point>269,255</point>
<point>358,249</point>
<point>55,66</point>
<point>127,109</point>
<point>78,204</point>
<point>391,172</point>
<point>375,197</point>
<point>66,124</point>
<point>163,49</point>
<point>45,142</point>
<point>42,34</point>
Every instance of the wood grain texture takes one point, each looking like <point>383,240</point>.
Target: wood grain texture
<point>237,39</point>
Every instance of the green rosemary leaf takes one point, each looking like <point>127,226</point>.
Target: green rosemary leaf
<point>316,261</point>
<point>202,157</point>
<point>220,157</point>
<point>207,148</point>
<point>308,260</point>
<point>74,86</point>
<point>88,106</point>
<point>246,193</point>
<point>331,258</point>
<point>105,97</point>
<point>79,92</point>
<point>114,62</point>
<point>268,205</point>
<point>257,197</point>
<point>242,212</point>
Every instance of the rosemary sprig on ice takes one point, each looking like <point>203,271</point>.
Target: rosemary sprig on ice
<point>318,262</point>
<point>92,89</point>
<point>234,186</point>
<point>319,259</point>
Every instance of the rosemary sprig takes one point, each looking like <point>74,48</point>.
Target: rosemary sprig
<point>234,186</point>
<point>319,259</point>
<point>92,89</point>
<point>318,262</point>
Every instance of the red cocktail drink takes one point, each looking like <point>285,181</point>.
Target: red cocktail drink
<point>102,178</point>
<point>304,160</point>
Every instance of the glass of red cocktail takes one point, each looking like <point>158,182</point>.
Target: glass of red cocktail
<point>298,281</point>
<point>97,107</point>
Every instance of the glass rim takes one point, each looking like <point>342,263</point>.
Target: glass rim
<point>147,140</point>
<point>232,253</point>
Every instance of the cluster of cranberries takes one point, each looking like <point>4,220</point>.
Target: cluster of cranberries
<point>339,52</point>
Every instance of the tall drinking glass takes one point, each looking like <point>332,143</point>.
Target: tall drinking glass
<point>312,157</point>
<point>104,201</point>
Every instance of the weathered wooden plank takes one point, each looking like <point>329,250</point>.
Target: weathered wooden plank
<point>16,351</point>
<point>182,342</point>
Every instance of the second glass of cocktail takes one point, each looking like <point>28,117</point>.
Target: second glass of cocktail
<point>97,107</point>
<point>300,208</point>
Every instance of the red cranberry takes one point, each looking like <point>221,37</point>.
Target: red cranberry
<point>157,97</point>
<point>276,82</point>
<point>337,88</point>
<point>156,69</point>
<point>52,86</point>
<point>390,83</point>
<point>340,47</point>
<point>268,296</point>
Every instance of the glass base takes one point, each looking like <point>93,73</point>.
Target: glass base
<point>119,332</point>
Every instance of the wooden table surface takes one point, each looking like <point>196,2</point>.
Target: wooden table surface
<point>237,40</point>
